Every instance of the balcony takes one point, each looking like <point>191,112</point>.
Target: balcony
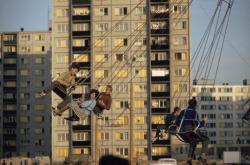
<point>81,127</point>
<point>9,89</point>
<point>80,33</point>
<point>81,143</point>
<point>9,77</point>
<point>161,142</point>
<point>9,100</point>
<point>160,78</point>
<point>9,136</point>
<point>160,94</point>
<point>160,110</point>
<point>162,15</point>
<point>81,49</point>
<point>162,1</point>
<point>159,47</point>
<point>9,42</point>
<point>9,124</point>
<point>154,126</point>
<point>81,2</point>
<point>9,148</point>
<point>10,54</point>
<point>9,113</point>
<point>157,63</point>
<point>84,64</point>
<point>81,18</point>
<point>160,156</point>
<point>12,66</point>
<point>159,31</point>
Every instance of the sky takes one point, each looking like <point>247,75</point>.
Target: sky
<point>234,67</point>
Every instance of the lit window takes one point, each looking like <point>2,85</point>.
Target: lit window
<point>40,37</point>
<point>101,73</point>
<point>101,11</point>
<point>141,73</point>
<point>140,103</point>
<point>121,73</point>
<point>180,56</point>
<point>62,13</point>
<point>63,152</point>
<point>81,11</point>
<point>101,27</point>
<point>101,58</point>
<point>101,43</point>
<point>81,57</point>
<point>121,11</point>
<point>39,48</point>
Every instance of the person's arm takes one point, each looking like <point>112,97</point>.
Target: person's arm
<point>83,97</point>
<point>62,78</point>
<point>108,105</point>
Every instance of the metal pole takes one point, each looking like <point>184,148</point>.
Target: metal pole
<point>131,124</point>
<point>96,141</point>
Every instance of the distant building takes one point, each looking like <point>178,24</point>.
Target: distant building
<point>25,70</point>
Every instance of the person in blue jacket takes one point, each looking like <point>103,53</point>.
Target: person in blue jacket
<point>170,119</point>
<point>189,125</point>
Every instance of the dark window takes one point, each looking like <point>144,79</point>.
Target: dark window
<point>105,11</point>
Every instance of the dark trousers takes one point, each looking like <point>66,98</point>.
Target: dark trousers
<point>66,99</point>
<point>192,146</point>
<point>96,111</point>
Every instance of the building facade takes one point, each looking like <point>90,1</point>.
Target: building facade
<point>142,49</point>
<point>25,62</point>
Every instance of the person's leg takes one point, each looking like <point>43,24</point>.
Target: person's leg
<point>96,111</point>
<point>60,111</point>
<point>205,142</point>
<point>64,103</point>
<point>51,86</point>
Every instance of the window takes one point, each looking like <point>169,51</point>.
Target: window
<point>140,135</point>
<point>121,89</point>
<point>140,88</point>
<point>160,72</point>
<point>225,90</point>
<point>225,107</point>
<point>81,136</point>
<point>81,57</point>
<point>238,107</point>
<point>61,122</point>
<point>179,9</point>
<point>81,151</point>
<point>160,40</point>
<point>140,26</point>
<point>39,48</point>
<point>121,42</point>
<point>159,103</point>
<point>39,60</point>
<point>180,40</point>
<point>121,57</point>
<point>141,57</point>
<point>226,125</point>
<point>207,98</point>
<point>104,151</point>
<point>121,104</point>
<point>62,43</point>
<point>140,119</point>
<point>101,73</point>
<point>159,25</point>
<point>39,72</point>
<point>180,56</point>
<point>121,11</point>
<point>80,42</point>
<point>25,131</point>
<point>25,37</point>
<point>39,107</point>
<point>180,87</point>
<point>62,13</point>
<point>211,125</point>
<point>140,11</point>
<point>179,25</point>
<point>104,121</point>
<point>101,11</point>
<point>101,58</point>
<point>161,56</point>
<point>208,107</point>
<point>141,151</point>
<point>9,38</point>
<point>159,9</point>
<point>121,27</point>
<point>121,120</point>
<point>210,116</point>
<point>39,118</point>
<point>10,49</point>
<point>159,151</point>
<point>9,61</point>
<point>141,73</point>
<point>180,72</point>
<point>159,88</point>
<point>140,42</point>
<point>157,119</point>
<point>39,130</point>
<point>63,28</point>
<point>121,136</point>
<point>9,84</point>
<point>25,107</point>
<point>62,137</point>
<point>82,74</point>
<point>25,49</point>
<point>101,43</point>
<point>63,152</point>
<point>24,119</point>
<point>122,151</point>
<point>39,84</point>
<point>24,95</point>
<point>103,136</point>
<point>121,73</point>
<point>81,11</point>
<point>225,98</point>
<point>62,58</point>
<point>40,37</point>
<point>101,27</point>
<point>140,104</point>
<point>81,27</point>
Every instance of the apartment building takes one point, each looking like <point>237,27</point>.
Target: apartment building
<point>142,49</point>
<point>25,69</point>
<point>225,105</point>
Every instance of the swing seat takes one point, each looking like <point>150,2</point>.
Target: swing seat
<point>189,137</point>
<point>60,92</point>
<point>246,117</point>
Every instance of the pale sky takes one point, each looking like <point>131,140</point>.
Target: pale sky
<point>33,15</point>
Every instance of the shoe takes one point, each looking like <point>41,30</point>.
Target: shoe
<point>41,95</point>
<point>189,162</point>
<point>54,111</point>
<point>204,161</point>
<point>98,115</point>
<point>72,118</point>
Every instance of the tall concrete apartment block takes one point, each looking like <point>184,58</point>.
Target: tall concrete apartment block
<point>142,49</point>
<point>225,106</point>
<point>25,65</point>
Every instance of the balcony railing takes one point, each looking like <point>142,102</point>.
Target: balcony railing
<point>8,112</point>
<point>9,77</point>
<point>159,47</point>
<point>160,78</point>
<point>81,18</point>
<point>81,2</point>
<point>156,63</point>
<point>81,49</point>
<point>159,1</point>
<point>160,94</point>
<point>9,124</point>
<point>81,143</point>
<point>160,156</point>
<point>81,127</point>
<point>10,54</point>
<point>9,100</point>
<point>9,89</point>
<point>159,31</point>
<point>10,42</point>
<point>9,66</point>
<point>161,142</point>
<point>9,136</point>
<point>80,33</point>
<point>160,110</point>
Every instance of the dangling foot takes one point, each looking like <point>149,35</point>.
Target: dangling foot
<point>155,139</point>
<point>72,118</point>
<point>42,94</point>
<point>54,111</point>
<point>204,161</point>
